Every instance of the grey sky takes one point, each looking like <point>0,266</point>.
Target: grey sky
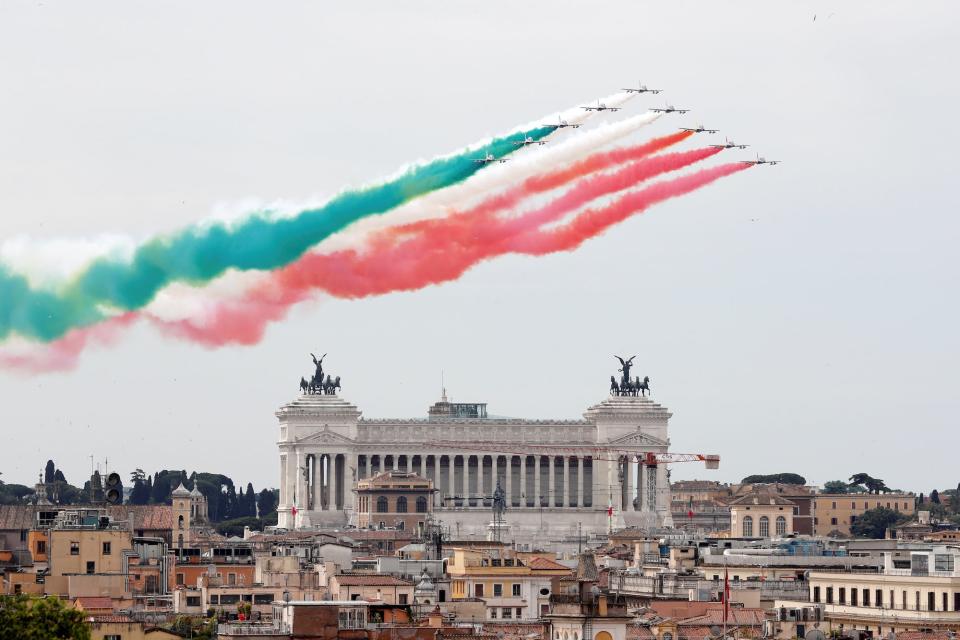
<point>795,318</point>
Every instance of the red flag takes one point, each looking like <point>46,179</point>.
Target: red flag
<point>610,512</point>
<point>293,510</point>
<point>690,514</point>
<point>726,595</point>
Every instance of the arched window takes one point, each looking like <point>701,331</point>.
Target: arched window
<point>421,505</point>
<point>402,504</point>
<point>179,522</point>
<point>748,527</point>
<point>382,504</point>
<point>764,527</point>
<point>668,635</point>
<point>781,526</point>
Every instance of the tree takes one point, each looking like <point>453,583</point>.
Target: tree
<point>49,471</point>
<point>836,486</point>
<point>873,485</point>
<point>935,497</point>
<point>782,478</point>
<point>874,523</point>
<point>40,619</point>
<point>251,507</point>
<point>266,502</point>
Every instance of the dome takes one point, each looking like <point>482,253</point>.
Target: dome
<point>180,492</point>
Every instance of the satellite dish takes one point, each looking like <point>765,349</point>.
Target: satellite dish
<point>716,631</point>
<point>815,634</point>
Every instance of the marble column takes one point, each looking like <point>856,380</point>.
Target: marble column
<point>332,474</point>
<point>508,479</point>
<point>536,481</point>
<point>450,478</point>
<point>552,481</point>
<point>582,478</point>
<point>480,491</point>
<point>566,481</point>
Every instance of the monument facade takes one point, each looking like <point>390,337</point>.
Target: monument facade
<point>553,475</point>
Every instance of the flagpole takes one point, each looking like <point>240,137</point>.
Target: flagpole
<point>726,595</point>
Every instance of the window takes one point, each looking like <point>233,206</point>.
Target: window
<point>91,567</point>
<point>112,636</point>
<point>382,504</point>
<point>943,562</point>
<point>516,590</point>
<point>833,505</point>
<point>106,548</point>
<point>493,613</point>
<point>23,535</point>
<point>402,598</point>
<point>421,505</point>
<point>764,527</point>
<point>866,597</point>
<point>263,598</point>
<point>151,584</point>
<point>180,579</point>
<point>519,612</point>
<point>179,522</point>
<point>833,521</point>
<point>193,601</point>
<point>956,601</point>
<point>878,598</point>
<point>816,594</point>
<point>667,636</point>
<point>229,598</point>
<point>853,597</point>
<point>931,601</point>
<point>748,527</point>
<point>41,546</point>
<point>545,591</point>
<point>231,578</point>
<point>842,595</point>
<point>402,504</point>
<point>853,505</point>
<point>829,595</point>
<point>507,613</point>
<point>781,526</point>
<point>74,548</point>
<point>498,590</point>
<point>478,590</point>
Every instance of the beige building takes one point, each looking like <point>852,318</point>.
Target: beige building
<point>371,587</point>
<point>836,512</point>
<point>919,594</point>
<point>394,499</point>
<point>761,515</point>
<point>513,585</point>
<point>88,549</point>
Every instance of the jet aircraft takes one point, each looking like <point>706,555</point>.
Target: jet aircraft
<point>729,144</point>
<point>669,109</point>
<point>528,141</point>
<point>601,107</point>
<point>487,159</point>
<point>642,89</point>
<point>698,129</point>
<point>760,160</point>
<point>563,124</point>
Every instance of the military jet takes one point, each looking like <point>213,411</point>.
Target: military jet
<point>563,124</point>
<point>760,160</point>
<point>669,109</point>
<point>642,89</point>
<point>601,107</point>
<point>528,141</point>
<point>729,144</point>
<point>698,129</point>
<point>487,159</point>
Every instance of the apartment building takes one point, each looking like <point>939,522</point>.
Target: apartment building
<point>835,513</point>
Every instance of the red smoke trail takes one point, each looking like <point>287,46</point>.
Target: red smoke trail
<point>442,252</point>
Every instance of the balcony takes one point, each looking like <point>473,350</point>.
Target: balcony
<point>887,616</point>
<point>249,629</point>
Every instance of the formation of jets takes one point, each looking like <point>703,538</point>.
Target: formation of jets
<point>669,109</point>
<point>699,129</point>
<point>601,107</point>
<point>489,158</point>
<point>729,144</point>
<point>642,89</point>
<point>760,160</point>
<point>528,141</point>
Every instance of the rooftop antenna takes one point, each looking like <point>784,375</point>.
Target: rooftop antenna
<point>443,388</point>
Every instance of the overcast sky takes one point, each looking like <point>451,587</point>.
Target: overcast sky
<point>797,318</point>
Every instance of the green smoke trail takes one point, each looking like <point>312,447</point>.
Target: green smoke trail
<point>198,255</point>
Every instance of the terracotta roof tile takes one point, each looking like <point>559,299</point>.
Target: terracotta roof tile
<point>93,602</point>
<point>541,563</point>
